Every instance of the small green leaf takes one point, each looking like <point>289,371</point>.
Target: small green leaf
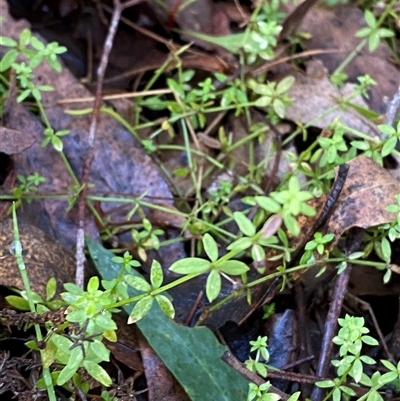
<point>100,350</point>
<point>291,224</point>
<point>388,365</point>
<point>51,288</point>
<point>388,130</point>
<point>325,384</point>
<point>257,253</point>
<point>263,101</point>
<point>190,266</point>
<point>60,341</point>
<point>370,19</point>
<point>104,320</point>
<point>213,286</point>
<point>389,146</point>
<point>77,316</point>
<point>279,107</point>
<point>295,396</point>
<point>166,305</point>
<point>57,143</point>
<point>388,377</point>
<point>156,274</point>
<point>268,204</point>
<point>387,276</point>
<point>49,354</point>
<point>357,370</point>
<point>240,244</point>
<point>97,372</point>
<point>245,224</point>
<point>8,42</point>
<point>233,267</point>
<point>285,84</point>
<point>73,289</point>
<point>93,284</point>
<point>232,42</point>
<point>8,59</point>
<point>72,366</point>
<point>356,255</point>
<point>138,283</point>
<point>18,302</point>
<point>210,246</point>
<point>386,249</point>
<point>140,309</point>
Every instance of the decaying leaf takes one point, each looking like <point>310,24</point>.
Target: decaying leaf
<point>13,141</point>
<point>316,100</point>
<point>44,258</point>
<point>337,31</point>
<point>368,190</point>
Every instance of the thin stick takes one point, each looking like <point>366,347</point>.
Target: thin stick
<point>80,240</point>
<point>393,107</point>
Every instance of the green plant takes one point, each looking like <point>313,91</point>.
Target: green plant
<point>33,53</point>
<point>351,338</point>
<point>216,268</point>
<point>27,185</point>
<point>147,238</point>
<point>273,94</point>
<point>373,32</point>
<point>188,105</point>
<point>289,203</point>
<point>258,364</point>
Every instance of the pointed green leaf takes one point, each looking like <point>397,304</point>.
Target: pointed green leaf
<point>233,43</point>
<point>284,85</point>
<point>8,42</point>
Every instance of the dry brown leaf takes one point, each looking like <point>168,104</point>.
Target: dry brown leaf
<point>161,383</point>
<point>44,258</point>
<point>368,190</point>
<point>13,141</point>
<point>335,27</point>
<point>316,100</point>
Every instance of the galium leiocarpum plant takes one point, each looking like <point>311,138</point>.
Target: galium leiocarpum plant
<point>287,202</point>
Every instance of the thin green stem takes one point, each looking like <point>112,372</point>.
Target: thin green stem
<point>22,268</point>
